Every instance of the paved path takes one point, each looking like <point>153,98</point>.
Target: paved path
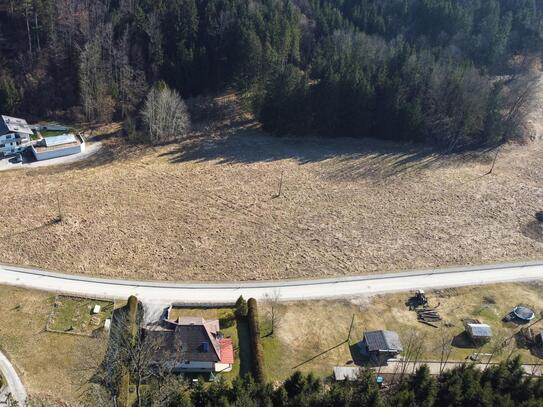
<point>90,149</point>
<point>227,293</point>
<point>15,386</point>
<point>395,367</point>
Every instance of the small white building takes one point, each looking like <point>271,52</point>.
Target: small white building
<point>15,135</point>
<point>58,146</point>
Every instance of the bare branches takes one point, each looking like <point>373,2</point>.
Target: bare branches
<point>446,349</point>
<point>274,314</point>
<point>165,115</point>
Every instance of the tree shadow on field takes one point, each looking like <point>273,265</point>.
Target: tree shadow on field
<point>342,158</point>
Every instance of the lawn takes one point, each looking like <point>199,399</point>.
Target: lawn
<point>75,315</point>
<point>205,209</point>
<point>312,335</point>
<point>231,328</point>
<point>50,364</point>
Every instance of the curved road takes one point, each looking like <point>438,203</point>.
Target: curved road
<point>15,386</point>
<point>227,293</point>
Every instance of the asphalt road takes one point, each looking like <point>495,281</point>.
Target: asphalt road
<point>227,293</point>
<point>15,386</point>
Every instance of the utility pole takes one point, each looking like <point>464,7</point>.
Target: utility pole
<point>494,161</point>
<point>280,185</point>
<point>59,217</point>
<point>350,329</point>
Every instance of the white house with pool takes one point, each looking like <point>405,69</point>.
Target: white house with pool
<point>16,137</point>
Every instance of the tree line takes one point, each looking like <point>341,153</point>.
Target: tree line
<point>434,71</point>
<point>464,386</point>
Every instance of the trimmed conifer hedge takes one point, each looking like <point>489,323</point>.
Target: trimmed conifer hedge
<point>256,347</point>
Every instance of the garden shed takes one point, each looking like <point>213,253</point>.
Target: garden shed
<point>478,332</point>
<point>380,345</point>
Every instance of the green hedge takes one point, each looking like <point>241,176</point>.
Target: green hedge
<point>132,310</point>
<point>256,347</point>
<point>132,319</point>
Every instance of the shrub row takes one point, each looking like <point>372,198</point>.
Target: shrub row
<point>256,347</point>
<point>131,330</point>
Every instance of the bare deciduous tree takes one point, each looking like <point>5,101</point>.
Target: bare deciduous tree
<point>93,78</point>
<point>165,115</point>
<point>274,314</point>
<point>446,349</point>
<point>412,352</point>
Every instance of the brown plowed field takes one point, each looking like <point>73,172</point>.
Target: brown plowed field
<point>206,209</point>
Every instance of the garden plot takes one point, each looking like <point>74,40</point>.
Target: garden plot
<point>78,316</point>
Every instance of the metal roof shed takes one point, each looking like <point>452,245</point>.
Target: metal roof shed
<point>383,341</point>
<point>479,331</point>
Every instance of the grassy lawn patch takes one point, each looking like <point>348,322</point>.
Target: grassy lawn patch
<point>230,329</point>
<point>75,315</point>
<point>52,133</point>
<point>50,364</point>
<point>312,334</point>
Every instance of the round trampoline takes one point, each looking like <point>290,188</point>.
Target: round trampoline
<point>523,313</point>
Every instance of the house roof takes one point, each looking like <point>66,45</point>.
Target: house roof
<point>186,338</point>
<point>383,341</point>
<point>480,330</point>
<point>227,351</point>
<point>14,124</point>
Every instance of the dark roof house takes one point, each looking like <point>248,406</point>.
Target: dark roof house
<point>383,341</point>
<point>191,343</point>
<point>380,346</point>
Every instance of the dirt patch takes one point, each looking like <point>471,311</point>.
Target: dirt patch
<point>206,209</point>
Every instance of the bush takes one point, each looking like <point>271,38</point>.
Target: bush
<point>241,307</point>
<point>165,115</point>
<point>256,347</point>
<point>132,319</point>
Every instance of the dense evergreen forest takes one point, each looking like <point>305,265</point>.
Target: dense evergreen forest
<point>433,71</point>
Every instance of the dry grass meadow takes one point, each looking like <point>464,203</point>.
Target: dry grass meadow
<point>311,335</point>
<point>206,209</point>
